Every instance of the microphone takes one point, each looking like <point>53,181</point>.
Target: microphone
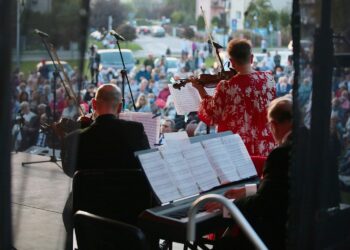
<point>216,45</point>
<point>40,33</point>
<point>116,35</point>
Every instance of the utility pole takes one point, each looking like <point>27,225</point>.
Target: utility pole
<point>18,33</point>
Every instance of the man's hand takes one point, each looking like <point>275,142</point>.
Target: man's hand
<point>235,193</point>
<point>212,206</point>
<point>230,194</point>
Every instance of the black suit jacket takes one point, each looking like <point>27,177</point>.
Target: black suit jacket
<point>108,143</point>
<point>267,209</point>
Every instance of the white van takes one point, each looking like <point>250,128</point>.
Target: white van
<point>111,62</point>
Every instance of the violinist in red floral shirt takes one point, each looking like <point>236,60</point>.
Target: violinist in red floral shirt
<point>240,104</point>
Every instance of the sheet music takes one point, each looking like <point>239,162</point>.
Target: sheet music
<point>150,124</point>
<point>158,176</point>
<point>177,139</point>
<point>239,155</point>
<point>220,160</point>
<point>180,171</point>
<point>187,98</point>
<point>202,171</point>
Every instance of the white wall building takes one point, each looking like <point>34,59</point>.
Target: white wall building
<point>236,14</point>
<point>234,10</point>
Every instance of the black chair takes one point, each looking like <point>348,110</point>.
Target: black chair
<point>120,194</point>
<point>98,233</point>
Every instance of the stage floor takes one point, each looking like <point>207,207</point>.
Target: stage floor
<point>39,192</point>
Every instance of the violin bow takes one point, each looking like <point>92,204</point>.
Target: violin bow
<point>218,59</point>
<point>66,81</point>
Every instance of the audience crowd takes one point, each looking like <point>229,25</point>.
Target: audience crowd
<point>33,97</point>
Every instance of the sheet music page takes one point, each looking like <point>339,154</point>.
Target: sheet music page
<point>202,171</point>
<point>150,124</point>
<point>187,98</point>
<point>158,176</point>
<point>179,171</point>
<point>176,139</point>
<point>239,155</point>
<point>220,160</point>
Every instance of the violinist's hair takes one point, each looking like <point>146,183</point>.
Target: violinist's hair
<point>109,94</point>
<point>280,109</point>
<point>239,50</point>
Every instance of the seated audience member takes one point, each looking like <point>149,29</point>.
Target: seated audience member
<point>71,110</point>
<point>166,126</point>
<point>28,127</point>
<point>266,210</point>
<point>282,86</point>
<point>107,143</point>
<point>142,104</point>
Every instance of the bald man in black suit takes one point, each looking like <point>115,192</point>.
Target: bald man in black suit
<point>108,143</point>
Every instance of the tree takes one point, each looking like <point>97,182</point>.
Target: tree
<point>215,21</point>
<point>284,18</point>
<point>178,17</point>
<point>188,7</point>
<point>63,26</point>
<point>260,12</point>
<point>101,10</point>
<point>200,23</point>
<point>127,31</point>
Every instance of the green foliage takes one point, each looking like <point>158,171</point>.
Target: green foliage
<point>249,35</point>
<point>66,14</point>
<point>143,22</point>
<point>284,18</point>
<point>200,23</point>
<point>215,21</point>
<point>168,7</point>
<point>101,10</point>
<point>260,13</point>
<point>178,17</point>
<point>127,31</point>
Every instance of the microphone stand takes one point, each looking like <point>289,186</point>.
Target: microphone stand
<point>56,75</point>
<point>124,74</point>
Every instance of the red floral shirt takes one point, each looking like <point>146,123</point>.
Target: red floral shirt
<point>240,105</point>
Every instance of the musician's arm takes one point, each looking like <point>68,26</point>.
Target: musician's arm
<point>201,90</point>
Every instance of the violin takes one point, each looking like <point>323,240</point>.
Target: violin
<point>65,125</point>
<point>207,80</point>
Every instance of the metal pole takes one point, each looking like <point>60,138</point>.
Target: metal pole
<point>5,126</point>
<point>234,211</point>
<point>18,33</point>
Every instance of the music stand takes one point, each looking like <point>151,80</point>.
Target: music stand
<point>123,72</point>
<point>56,75</point>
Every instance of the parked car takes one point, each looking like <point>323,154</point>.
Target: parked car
<point>158,31</point>
<point>67,68</point>
<point>144,30</point>
<point>111,63</point>
<point>171,64</point>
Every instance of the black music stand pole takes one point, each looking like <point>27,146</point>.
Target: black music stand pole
<point>124,74</point>
<point>56,75</point>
